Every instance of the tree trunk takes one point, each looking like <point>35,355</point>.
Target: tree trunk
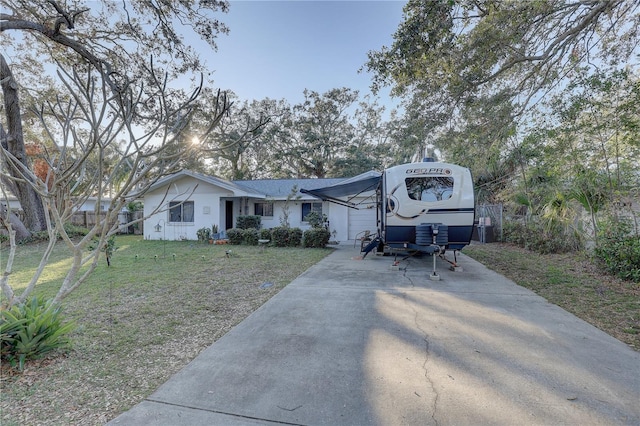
<point>21,231</point>
<point>13,141</point>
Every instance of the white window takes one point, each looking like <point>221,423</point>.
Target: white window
<point>181,211</point>
<point>263,209</point>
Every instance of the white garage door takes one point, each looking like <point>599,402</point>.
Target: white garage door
<point>361,220</point>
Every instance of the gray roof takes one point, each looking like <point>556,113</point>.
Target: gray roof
<point>281,188</point>
<point>213,180</point>
<point>277,189</point>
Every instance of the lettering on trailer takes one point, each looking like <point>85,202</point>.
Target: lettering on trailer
<point>429,171</point>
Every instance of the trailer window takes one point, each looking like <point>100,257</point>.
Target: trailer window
<point>429,189</point>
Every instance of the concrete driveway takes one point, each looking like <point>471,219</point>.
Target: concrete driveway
<point>356,342</point>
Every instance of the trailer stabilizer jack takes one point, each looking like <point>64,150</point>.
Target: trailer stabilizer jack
<point>373,244</point>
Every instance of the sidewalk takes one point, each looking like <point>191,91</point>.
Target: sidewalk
<point>353,342</point>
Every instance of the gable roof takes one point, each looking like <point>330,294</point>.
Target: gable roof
<point>278,189</point>
<point>237,190</point>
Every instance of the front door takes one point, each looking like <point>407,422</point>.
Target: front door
<point>228,213</point>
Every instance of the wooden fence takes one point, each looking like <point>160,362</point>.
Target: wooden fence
<point>88,219</point>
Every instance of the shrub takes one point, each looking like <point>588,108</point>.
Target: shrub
<point>72,231</point>
<point>234,235</point>
<point>295,237</point>
<point>316,237</point>
<point>265,234</point>
<point>618,250</point>
<point>204,234</point>
<point>109,247</point>
<point>536,237</point>
<point>316,219</point>
<point>30,330</point>
<point>280,236</point>
<point>250,237</point>
<point>75,231</point>
<point>249,222</point>
<point>36,237</point>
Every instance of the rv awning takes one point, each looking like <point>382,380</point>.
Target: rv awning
<point>353,188</point>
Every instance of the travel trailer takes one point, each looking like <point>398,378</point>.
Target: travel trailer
<point>425,207</point>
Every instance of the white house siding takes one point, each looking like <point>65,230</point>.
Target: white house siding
<point>295,213</point>
<point>344,222</point>
<point>337,215</point>
<point>208,209</point>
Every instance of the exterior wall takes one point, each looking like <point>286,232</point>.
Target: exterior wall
<point>210,203</point>
<point>338,221</point>
<point>208,209</point>
<point>338,217</point>
<point>295,213</point>
<point>90,205</point>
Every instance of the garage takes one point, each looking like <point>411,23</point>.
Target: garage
<point>362,220</point>
<point>358,192</point>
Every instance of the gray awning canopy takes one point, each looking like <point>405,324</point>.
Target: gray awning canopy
<point>349,189</point>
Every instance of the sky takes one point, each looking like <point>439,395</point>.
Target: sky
<point>276,49</point>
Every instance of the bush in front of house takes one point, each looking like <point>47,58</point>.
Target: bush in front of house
<point>247,237</point>
<point>234,235</point>
<point>250,237</point>
<point>204,234</point>
<point>265,234</point>
<point>317,220</point>
<point>249,222</point>
<point>316,237</point>
<point>280,236</point>
<point>295,237</point>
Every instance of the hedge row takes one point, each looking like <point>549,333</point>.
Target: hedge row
<point>280,237</point>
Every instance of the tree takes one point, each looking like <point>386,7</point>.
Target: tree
<point>235,144</point>
<point>370,146</point>
<point>464,47</point>
<point>112,97</point>
<point>593,139</point>
<point>115,38</point>
<point>447,56</point>
<point>106,118</point>
<point>326,135</point>
<point>12,140</point>
<point>322,130</point>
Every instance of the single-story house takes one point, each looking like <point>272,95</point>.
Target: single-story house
<point>178,205</point>
<point>89,205</point>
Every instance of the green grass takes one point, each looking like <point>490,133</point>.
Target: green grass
<point>139,321</point>
<point>572,282</point>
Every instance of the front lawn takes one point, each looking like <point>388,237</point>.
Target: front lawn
<point>139,322</point>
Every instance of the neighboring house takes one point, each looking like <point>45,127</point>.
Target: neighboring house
<point>89,204</point>
<point>186,201</point>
